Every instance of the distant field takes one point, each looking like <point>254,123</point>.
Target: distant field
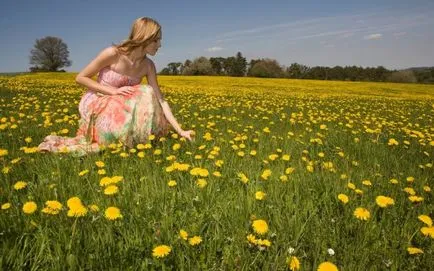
<point>281,171</point>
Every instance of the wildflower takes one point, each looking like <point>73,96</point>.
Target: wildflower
<point>425,219</point>
<point>260,226</point>
<point>414,250</point>
<point>331,252</point>
<point>201,183</point>
<point>428,231</point>
<point>343,198</point>
<point>183,234</point>
<point>111,190</point>
<point>351,186</point>
<point>171,183</point>
<point>293,263</point>
<point>415,199</point>
<point>20,185</point>
<point>260,195</point>
<point>392,142</point>
<point>29,207</point>
<point>426,188</point>
<point>393,181</point>
<point>195,240</point>
<point>6,206</point>
<point>243,177</point>
<point>101,172</point>
<point>367,183</point>
<point>112,213</point>
<point>99,164</point>
<point>383,201</point>
<point>327,266</point>
<point>265,174</point>
<point>289,170</point>
<point>83,172</point>
<point>283,178</point>
<point>362,213</point>
<point>410,191</point>
<point>94,208</point>
<point>161,251</point>
<point>286,157</point>
<point>410,179</point>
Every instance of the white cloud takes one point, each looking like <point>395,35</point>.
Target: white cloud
<point>399,34</point>
<point>214,49</point>
<point>373,37</point>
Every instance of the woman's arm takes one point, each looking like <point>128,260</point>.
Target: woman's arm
<point>105,58</point>
<point>151,77</point>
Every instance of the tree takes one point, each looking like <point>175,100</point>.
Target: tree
<point>49,54</point>
<point>217,64</point>
<point>266,68</point>
<point>174,67</point>
<point>199,66</point>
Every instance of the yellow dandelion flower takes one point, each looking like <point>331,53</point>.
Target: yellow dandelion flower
<point>171,183</point>
<point>343,198</point>
<point>94,208</point>
<point>293,263</point>
<point>410,191</point>
<point>20,185</point>
<point>83,172</point>
<point>260,195</point>
<point>392,142</point>
<point>351,186</point>
<point>6,206</point>
<point>30,207</point>
<point>260,226</point>
<point>161,251</point>
<point>428,231</point>
<point>286,157</point>
<point>283,178</point>
<point>217,174</point>
<point>289,170</point>
<point>367,183</point>
<point>112,213</point>
<point>415,198</point>
<point>183,234</point>
<point>3,152</point>
<point>384,201</point>
<point>425,219</point>
<point>99,164</point>
<point>101,172</point>
<point>201,183</point>
<point>195,240</point>
<point>410,179</point>
<point>393,181</point>
<point>327,266</point>
<point>265,174</point>
<point>251,238</point>
<point>362,213</point>
<point>111,190</point>
<point>243,177</point>
<point>253,152</point>
<point>414,250</point>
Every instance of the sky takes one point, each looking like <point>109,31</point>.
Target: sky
<point>395,34</point>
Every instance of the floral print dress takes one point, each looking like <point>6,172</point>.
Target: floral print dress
<point>106,119</point>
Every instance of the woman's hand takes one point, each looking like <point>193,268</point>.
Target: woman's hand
<point>124,91</point>
<point>187,134</point>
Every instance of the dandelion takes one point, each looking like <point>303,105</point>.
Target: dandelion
<point>414,250</point>
<point>112,213</point>
<point>6,206</point>
<point>367,183</point>
<point>428,231</point>
<point>293,263</point>
<point>94,208</point>
<point>183,234</point>
<point>415,198</point>
<point>343,198</point>
<point>195,240</point>
<point>392,142</point>
<point>384,201</point>
<point>161,251</point>
<point>327,266</point>
<point>111,190</point>
<point>260,195</point>
<point>201,183</point>
<point>83,172</point>
<point>243,177</point>
<point>260,226</point>
<point>425,219</point>
<point>283,178</point>
<point>99,164</point>
<point>20,185</point>
<point>30,207</point>
<point>3,152</point>
<point>362,213</point>
<point>171,183</point>
<point>265,174</point>
<point>393,181</point>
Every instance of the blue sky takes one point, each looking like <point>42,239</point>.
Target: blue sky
<point>395,34</point>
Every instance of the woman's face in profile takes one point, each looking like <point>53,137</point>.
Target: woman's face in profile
<point>153,47</point>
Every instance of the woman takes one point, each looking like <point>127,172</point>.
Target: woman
<point>116,108</point>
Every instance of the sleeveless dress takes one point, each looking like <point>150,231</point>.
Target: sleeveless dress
<point>106,119</point>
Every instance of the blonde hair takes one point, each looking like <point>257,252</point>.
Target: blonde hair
<point>143,32</point>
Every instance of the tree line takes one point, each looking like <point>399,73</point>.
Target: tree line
<point>51,54</point>
<point>270,68</point>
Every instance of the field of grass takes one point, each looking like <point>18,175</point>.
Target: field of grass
<point>283,175</point>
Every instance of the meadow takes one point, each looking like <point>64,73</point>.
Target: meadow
<point>282,175</point>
